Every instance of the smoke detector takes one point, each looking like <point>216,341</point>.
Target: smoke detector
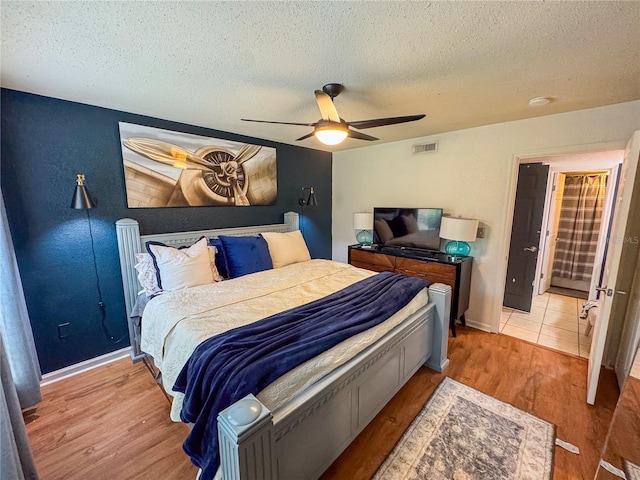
<point>539,101</point>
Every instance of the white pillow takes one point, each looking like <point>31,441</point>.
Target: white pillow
<point>182,268</point>
<point>147,275</point>
<point>286,248</point>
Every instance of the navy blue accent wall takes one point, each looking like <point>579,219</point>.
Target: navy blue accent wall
<point>45,142</point>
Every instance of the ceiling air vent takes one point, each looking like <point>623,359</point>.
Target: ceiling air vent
<point>424,148</point>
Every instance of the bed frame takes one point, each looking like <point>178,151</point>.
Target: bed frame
<point>300,439</point>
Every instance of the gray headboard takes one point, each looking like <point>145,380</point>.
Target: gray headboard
<point>131,242</point>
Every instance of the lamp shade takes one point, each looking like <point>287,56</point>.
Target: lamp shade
<point>460,229</point>
<point>312,201</point>
<point>362,221</point>
<point>81,199</point>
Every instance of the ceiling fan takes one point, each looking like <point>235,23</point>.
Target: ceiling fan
<point>331,129</point>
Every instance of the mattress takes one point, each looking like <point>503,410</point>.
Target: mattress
<point>175,323</point>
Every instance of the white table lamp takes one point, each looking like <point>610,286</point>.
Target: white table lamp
<point>459,231</point>
<point>363,225</point>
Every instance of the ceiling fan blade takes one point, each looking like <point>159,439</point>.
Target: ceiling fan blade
<point>304,137</point>
<point>280,123</point>
<point>326,106</point>
<point>380,122</point>
<point>361,136</point>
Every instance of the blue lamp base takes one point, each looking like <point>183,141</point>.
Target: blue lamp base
<point>364,237</point>
<point>457,249</point>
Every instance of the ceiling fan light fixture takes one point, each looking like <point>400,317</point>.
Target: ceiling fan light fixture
<point>331,134</point>
<point>331,129</point>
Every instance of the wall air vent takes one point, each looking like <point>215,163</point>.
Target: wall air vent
<point>424,148</point>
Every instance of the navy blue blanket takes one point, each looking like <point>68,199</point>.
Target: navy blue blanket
<point>227,367</point>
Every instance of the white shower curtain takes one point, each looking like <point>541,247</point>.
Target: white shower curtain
<point>19,368</point>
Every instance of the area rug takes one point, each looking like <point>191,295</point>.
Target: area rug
<point>631,470</point>
<point>463,434</point>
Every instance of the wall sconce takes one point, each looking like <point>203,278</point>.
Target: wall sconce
<point>459,231</point>
<point>311,200</point>
<point>82,200</point>
<point>363,224</point>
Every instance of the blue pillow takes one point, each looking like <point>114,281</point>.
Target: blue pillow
<point>244,255</point>
<point>221,262</point>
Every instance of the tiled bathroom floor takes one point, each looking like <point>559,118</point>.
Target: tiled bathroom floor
<point>553,322</point>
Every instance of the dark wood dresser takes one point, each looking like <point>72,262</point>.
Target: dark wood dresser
<point>436,267</point>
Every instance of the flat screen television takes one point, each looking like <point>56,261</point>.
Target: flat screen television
<point>407,227</point>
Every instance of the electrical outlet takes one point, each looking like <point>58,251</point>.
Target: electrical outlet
<point>63,330</point>
<point>480,233</point>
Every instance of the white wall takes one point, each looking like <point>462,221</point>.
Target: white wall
<point>472,174</point>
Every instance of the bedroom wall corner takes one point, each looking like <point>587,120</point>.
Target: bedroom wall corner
<point>45,142</point>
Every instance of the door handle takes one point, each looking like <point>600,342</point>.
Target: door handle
<point>607,291</point>
<point>532,249</point>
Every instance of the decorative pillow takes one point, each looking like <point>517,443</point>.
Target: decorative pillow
<point>286,248</point>
<point>179,268</point>
<point>213,253</point>
<point>147,275</point>
<point>245,255</point>
<point>221,261</point>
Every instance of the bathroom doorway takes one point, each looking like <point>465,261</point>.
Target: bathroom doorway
<point>580,192</point>
<point>575,225</point>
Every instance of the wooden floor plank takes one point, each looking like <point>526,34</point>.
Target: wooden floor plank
<point>108,423</point>
<point>113,422</point>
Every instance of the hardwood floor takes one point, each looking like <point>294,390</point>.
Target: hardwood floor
<point>113,422</point>
<point>108,423</point>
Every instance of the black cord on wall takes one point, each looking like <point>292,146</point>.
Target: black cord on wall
<point>103,309</point>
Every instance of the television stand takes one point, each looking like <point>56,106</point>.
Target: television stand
<point>435,267</point>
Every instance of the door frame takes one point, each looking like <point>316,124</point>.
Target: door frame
<point>630,337</point>
<point>552,205</point>
<point>559,168</point>
<point>509,205</point>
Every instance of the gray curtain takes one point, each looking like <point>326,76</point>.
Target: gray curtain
<point>580,217</point>
<point>16,461</point>
<point>14,321</point>
<point>19,368</point>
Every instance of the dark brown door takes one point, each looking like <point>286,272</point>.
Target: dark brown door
<point>525,235</point>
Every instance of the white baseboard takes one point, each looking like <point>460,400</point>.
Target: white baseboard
<point>90,364</point>
<point>478,325</point>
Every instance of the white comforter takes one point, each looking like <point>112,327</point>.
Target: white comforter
<point>174,324</point>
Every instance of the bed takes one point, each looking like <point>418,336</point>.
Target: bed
<point>298,425</point>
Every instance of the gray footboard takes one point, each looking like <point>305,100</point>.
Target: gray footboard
<point>303,437</point>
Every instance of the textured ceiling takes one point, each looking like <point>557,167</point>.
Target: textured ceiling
<point>211,63</point>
